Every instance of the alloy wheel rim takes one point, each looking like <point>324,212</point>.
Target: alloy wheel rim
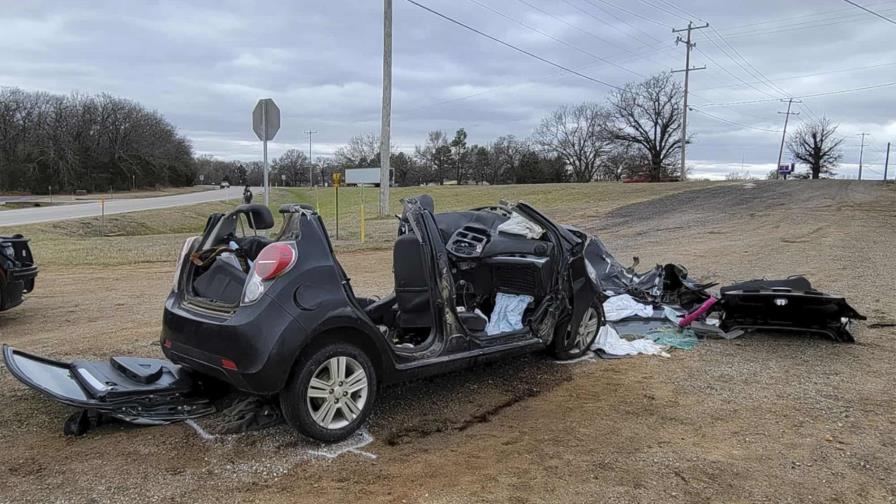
<point>337,392</point>
<point>587,329</point>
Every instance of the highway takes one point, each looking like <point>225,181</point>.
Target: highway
<point>21,216</point>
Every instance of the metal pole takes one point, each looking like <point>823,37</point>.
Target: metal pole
<point>861,153</point>
<point>310,162</point>
<point>784,133</point>
<point>387,108</point>
<point>267,187</point>
<point>687,72</point>
<point>887,161</point>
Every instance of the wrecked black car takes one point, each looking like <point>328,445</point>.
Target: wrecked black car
<point>279,316</point>
<point>17,270</point>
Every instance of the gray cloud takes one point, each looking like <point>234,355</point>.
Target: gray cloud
<point>204,64</point>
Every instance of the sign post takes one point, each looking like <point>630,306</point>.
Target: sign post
<point>337,178</point>
<point>786,169</point>
<point>266,124</point>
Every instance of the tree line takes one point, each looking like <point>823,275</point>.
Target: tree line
<point>67,143</point>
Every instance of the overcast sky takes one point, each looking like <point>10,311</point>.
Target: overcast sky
<point>204,65</point>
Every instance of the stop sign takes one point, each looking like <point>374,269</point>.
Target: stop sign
<point>266,119</point>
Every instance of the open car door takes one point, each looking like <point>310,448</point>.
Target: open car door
<point>137,390</point>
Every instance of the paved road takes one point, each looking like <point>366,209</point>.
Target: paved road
<point>34,215</point>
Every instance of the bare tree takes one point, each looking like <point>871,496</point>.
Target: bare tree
<point>361,150</point>
<point>578,134</point>
<point>816,143</point>
<point>294,164</point>
<point>648,115</point>
<point>434,155</point>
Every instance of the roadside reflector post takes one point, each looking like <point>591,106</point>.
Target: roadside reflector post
<point>102,216</point>
<point>337,178</point>
<point>362,212</point>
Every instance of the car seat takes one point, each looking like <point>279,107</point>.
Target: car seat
<point>411,286</point>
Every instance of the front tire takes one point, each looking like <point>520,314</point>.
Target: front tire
<point>330,393</point>
<point>575,342</point>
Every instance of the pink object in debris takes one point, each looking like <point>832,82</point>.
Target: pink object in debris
<point>690,317</point>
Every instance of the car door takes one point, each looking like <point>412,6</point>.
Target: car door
<point>449,335</point>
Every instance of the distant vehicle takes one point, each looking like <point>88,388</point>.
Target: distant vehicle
<point>17,270</point>
<point>224,185</point>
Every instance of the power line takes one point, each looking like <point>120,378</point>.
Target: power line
<point>515,48</point>
<point>633,13</point>
<point>802,76</point>
<point>815,95</point>
<point>722,119</point>
<point>611,25</point>
<point>555,39</point>
<point>866,9</point>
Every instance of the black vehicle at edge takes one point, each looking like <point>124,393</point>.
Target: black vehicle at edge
<point>293,327</point>
<point>17,270</point>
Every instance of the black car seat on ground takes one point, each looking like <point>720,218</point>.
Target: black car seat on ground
<point>795,283</point>
<point>411,288</point>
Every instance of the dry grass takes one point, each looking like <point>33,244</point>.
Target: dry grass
<point>156,235</point>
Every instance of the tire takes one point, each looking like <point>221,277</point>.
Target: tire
<point>575,343</point>
<point>339,400</point>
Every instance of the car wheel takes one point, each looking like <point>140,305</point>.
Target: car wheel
<point>330,393</point>
<point>576,341</point>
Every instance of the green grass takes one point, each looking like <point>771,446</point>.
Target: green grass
<point>157,235</point>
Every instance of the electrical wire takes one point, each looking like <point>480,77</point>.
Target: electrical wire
<point>815,95</point>
<point>722,119</point>
<point>555,39</point>
<point>866,9</point>
<point>511,46</point>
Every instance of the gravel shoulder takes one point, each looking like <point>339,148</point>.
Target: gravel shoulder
<point>766,418</point>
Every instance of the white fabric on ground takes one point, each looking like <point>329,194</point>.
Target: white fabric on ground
<point>619,307</point>
<point>609,341</point>
<point>508,313</point>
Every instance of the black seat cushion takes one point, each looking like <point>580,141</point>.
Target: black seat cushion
<point>411,288</point>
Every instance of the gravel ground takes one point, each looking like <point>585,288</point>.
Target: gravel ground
<point>765,418</point>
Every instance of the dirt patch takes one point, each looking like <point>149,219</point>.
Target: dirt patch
<point>765,418</point>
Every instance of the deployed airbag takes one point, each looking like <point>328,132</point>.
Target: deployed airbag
<point>508,313</point>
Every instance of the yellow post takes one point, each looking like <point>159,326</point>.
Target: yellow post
<point>362,213</point>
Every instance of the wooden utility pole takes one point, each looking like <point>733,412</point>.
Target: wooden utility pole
<point>790,102</point>
<point>385,178</point>
<point>861,152</point>
<point>310,162</point>
<point>887,162</point>
<point>687,71</point>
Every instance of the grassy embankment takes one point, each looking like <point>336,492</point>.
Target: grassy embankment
<point>156,235</point>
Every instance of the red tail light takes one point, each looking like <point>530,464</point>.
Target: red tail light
<point>274,260</point>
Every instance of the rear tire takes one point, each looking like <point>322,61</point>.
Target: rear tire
<point>575,342</point>
<point>330,393</point>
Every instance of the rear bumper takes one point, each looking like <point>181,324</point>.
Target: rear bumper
<point>253,349</point>
<point>18,282</point>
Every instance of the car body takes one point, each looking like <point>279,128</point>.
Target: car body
<point>17,270</point>
<point>295,331</point>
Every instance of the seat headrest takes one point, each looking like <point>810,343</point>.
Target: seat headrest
<point>259,216</point>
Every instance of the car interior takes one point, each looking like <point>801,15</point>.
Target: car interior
<point>490,262</point>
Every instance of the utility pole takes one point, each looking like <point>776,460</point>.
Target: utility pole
<point>861,152</point>
<point>687,71</point>
<point>887,161</point>
<point>790,102</point>
<point>387,109</point>
<point>310,162</point>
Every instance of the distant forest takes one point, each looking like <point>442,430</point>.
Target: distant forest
<point>102,142</point>
<point>87,142</point>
